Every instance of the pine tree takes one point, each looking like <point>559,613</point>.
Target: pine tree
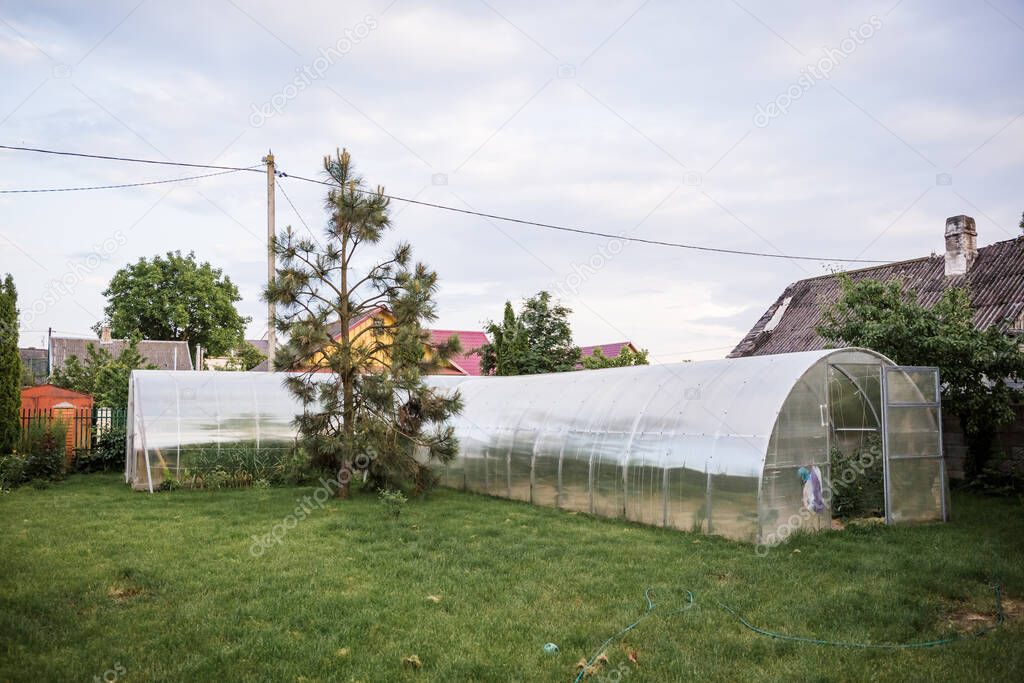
<point>366,408</point>
<point>10,367</point>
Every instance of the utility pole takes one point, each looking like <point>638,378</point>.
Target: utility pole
<point>271,261</point>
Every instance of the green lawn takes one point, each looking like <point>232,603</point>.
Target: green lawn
<point>96,579</point>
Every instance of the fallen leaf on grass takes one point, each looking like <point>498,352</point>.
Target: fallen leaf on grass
<point>434,598</point>
<point>343,651</point>
<point>412,661</point>
<point>632,657</point>
<point>582,664</point>
<point>602,658</point>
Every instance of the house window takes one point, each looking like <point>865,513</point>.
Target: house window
<point>378,326</point>
<point>1018,324</point>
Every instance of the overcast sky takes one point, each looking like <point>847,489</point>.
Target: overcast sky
<point>830,129</point>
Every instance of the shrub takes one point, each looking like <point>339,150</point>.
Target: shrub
<point>1002,476</point>
<point>12,471</point>
<point>42,445</point>
<point>107,455</point>
<point>393,502</point>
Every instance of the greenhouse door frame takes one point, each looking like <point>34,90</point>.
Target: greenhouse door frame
<point>888,404</point>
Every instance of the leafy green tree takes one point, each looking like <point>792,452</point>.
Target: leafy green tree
<point>244,357</point>
<point>366,407</point>
<point>538,340</point>
<point>102,375</point>
<point>506,353</point>
<point>175,298</point>
<point>10,367</point>
<point>28,378</point>
<point>626,357</point>
<point>976,367</point>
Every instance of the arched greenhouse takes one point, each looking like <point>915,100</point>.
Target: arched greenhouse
<point>711,446</point>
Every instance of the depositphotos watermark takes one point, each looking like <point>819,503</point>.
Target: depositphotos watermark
<point>76,271</point>
<point>854,470</point>
<point>312,72</point>
<point>582,272</point>
<point>812,73</point>
<point>110,675</point>
<point>304,507</point>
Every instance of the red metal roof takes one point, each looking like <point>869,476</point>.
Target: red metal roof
<point>468,361</point>
<point>607,350</point>
<point>995,283</point>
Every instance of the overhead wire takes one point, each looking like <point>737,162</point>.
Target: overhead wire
<point>113,187</point>
<point>454,209</point>
<point>296,211</point>
<point>593,233</point>
<point>135,160</point>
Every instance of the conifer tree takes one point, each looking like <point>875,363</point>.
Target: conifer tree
<point>10,367</point>
<point>366,407</point>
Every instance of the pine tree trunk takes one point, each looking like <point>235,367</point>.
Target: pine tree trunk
<point>344,479</point>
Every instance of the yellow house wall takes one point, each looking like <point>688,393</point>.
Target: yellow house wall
<point>379,357</point>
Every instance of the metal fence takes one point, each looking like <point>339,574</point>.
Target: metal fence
<point>84,425</point>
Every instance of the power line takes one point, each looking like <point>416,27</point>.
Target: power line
<point>594,233</point>
<point>469,212</point>
<point>129,159</point>
<point>280,186</point>
<point>112,187</point>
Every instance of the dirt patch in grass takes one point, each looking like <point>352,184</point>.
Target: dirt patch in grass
<point>965,619</point>
<point>129,584</point>
<point>122,592</point>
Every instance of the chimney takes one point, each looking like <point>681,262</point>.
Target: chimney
<point>961,245</point>
<point>105,335</point>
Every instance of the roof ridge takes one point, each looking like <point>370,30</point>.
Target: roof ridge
<point>112,340</point>
<point>896,263</point>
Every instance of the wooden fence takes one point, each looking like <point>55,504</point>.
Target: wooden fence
<point>85,425</point>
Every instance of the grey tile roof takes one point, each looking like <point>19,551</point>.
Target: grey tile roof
<point>995,283</point>
<point>260,344</point>
<point>166,355</point>
<point>35,360</point>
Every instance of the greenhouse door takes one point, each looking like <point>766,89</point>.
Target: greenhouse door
<point>915,471</point>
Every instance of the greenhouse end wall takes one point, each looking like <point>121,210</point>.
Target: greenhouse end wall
<point>712,446</point>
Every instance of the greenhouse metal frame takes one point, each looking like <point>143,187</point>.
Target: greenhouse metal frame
<point>710,446</point>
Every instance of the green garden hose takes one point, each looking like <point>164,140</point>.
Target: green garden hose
<point>647,612</point>
<point>690,602</point>
<point>1000,618</point>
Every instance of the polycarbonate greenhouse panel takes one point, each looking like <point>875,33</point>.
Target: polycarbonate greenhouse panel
<point>916,483</point>
<point>713,446</point>
<point>179,417</point>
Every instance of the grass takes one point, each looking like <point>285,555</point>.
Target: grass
<point>94,576</point>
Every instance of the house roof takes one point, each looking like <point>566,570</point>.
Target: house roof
<point>468,361</point>
<point>995,283</point>
<point>260,344</point>
<point>607,350</point>
<point>334,328</point>
<point>465,363</point>
<point>31,353</point>
<point>52,391</point>
<point>166,355</point>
